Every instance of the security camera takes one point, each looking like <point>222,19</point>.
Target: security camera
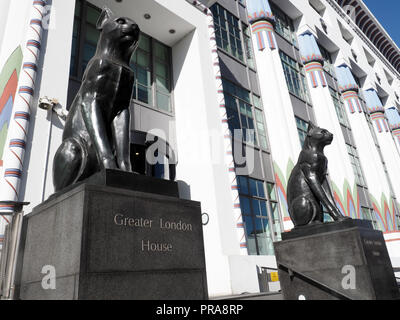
<point>47,104</point>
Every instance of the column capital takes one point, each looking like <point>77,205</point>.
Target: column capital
<point>309,48</point>
<point>259,10</point>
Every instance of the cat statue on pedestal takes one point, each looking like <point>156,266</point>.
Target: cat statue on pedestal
<point>308,187</point>
<point>97,130</point>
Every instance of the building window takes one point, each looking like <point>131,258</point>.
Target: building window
<point>328,61</point>
<point>262,132</point>
<point>369,214</point>
<point>248,46</point>
<point>227,31</point>
<point>295,78</point>
<point>253,199</point>
<point>240,114</point>
<point>339,108</point>
<point>152,65</point>
<point>284,25</point>
<point>302,129</point>
<point>84,38</point>
<point>355,163</point>
<point>151,62</point>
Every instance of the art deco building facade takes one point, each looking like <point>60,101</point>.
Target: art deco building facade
<point>207,69</point>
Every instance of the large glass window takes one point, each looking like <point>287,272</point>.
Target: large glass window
<point>239,106</point>
<point>284,25</point>
<point>84,37</point>
<point>302,129</point>
<point>227,31</point>
<point>341,114</point>
<point>355,163</point>
<point>248,46</point>
<point>295,77</point>
<point>152,65</point>
<point>254,201</point>
<point>151,62</point>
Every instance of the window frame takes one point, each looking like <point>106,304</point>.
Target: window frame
<point>225,26</point>
<point>271,219</point>
<point>295,77</point>
<point>77,74</point>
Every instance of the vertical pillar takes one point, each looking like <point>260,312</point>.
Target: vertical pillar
<point>374,172</point>
<point>341,173</point>
<point>389,152</point>
<point>19,126</point>
<point>393,117</point>
<point>276,99</point>
<point>228,147</point>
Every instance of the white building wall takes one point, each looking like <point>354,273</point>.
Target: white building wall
<point>200,160</point>
<point>279,115</point>
<point>45,134</point>
<point>196,105</point>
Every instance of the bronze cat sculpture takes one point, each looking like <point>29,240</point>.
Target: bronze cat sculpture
<point>308,187</point>
<point>97,130</point>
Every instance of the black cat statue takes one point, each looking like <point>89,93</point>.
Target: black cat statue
<point>308,188</point>
<point>97,130</point>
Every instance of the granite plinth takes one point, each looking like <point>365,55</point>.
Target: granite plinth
<point>130,181</point>
<point>109,243</point>
<point>339,260</point>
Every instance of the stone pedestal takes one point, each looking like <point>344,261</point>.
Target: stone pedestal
<point>113,243</point>
<point>338,260</point>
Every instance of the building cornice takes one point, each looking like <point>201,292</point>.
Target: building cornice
<point>366,20</point>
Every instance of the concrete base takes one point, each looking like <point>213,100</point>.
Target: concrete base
<point>111,243</point>
<point>339,260</point>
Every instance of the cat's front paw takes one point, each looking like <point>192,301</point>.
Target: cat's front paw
<point>125,166</point>
<point>342,218</point>
<point>110,164</point>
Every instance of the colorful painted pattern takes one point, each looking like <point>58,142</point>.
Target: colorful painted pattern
<point>349,87</point>
<point>316,73</point>
<point>347,201</point>
<point>385,216</point>
<point>8,87</point>
<point>352,101</point>
<point>261,15</point>
<point>259,10</point>
<point>380,121</point>
<point>396,134</point>
<point>226,131</point>
<point>264,30</point>
<point>311,58</point>
<point>281,180</point>
<point>17,135</point>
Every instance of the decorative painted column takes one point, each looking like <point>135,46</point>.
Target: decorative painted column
<point>229,159</point>
<point>21,114</point>
<point>277,103</point>
<point>341,172</point>
<point>387,144</point>
<point>312,60</point>
<point>393,117</point>
<point>374,173</point>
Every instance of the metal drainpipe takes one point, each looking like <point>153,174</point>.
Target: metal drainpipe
<point>19,123</point>
<point>229,160</point>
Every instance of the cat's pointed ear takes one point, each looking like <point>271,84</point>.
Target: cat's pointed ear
<point>106,15</point>
<point>310,127</point>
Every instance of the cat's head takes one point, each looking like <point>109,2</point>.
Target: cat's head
<point>318,136</point>
<point>120,32</point>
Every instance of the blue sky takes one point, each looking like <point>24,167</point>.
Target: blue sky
<point>388,14</point>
